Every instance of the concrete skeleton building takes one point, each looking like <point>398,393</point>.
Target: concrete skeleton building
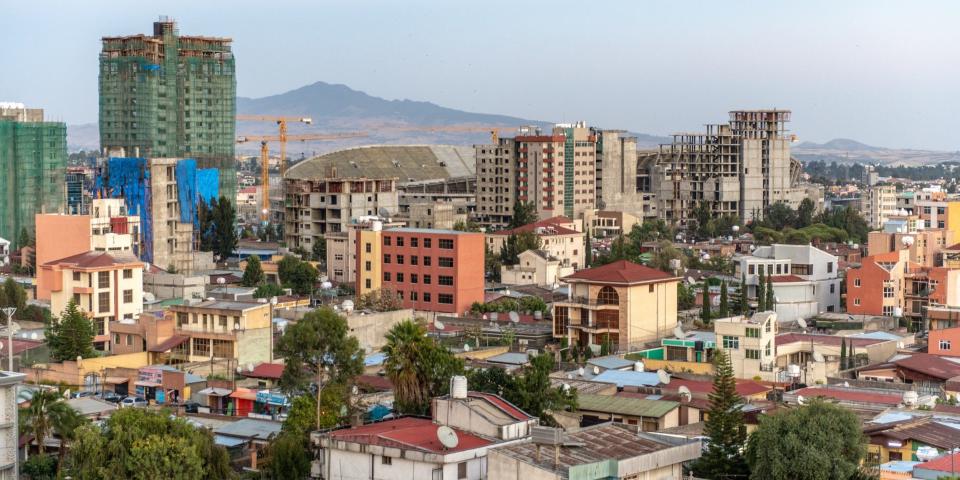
<point>170,95</point>
<point>33,162</point>
<point>737,168</point>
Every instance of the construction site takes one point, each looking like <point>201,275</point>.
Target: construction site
<point>170,96</point>
<point>737,168</point>
<point>33,162</point>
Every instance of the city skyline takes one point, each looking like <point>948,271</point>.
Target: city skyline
<point>846,71</point>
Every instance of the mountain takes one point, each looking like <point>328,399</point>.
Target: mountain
<point>843,150</point>
<point>839,144</point>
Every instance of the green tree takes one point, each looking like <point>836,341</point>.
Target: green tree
<point>319,345</point>
<point>319,250</point>
<point>770,303</point>
<point>588,250</point>
<point>533,304</point>
<point>805,213</point>
<point>287,457</point>
<point>224,228</point>
<point>523,213</point>
<point>724,426</point>
<point>71,336</point>
<point>686,298</point>
<point>724,306</point>
<point>761,290</point>
<point>267,290</point>
<point>380,300</point>
<point>24,239</point>
<point>744,299</point>
<point>491,263</point>
<point>49,414</point>
<point>417,366</point>
<point>13,295</point>
<point>843,354</point>
<point>466,226</point>
<point>297,275</point>
<point>779,216</point>
<point>40,467</point>
<point>664,255</point>
<point>516,244</point>
<point>705,306</point>
<point>818,441</point>
<point>253,274</point>
<point>535,395</point>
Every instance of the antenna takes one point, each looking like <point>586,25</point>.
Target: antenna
<point>685,394</point>
<point>448,438</point>
<point>514,317</point>
<point>663,376</point>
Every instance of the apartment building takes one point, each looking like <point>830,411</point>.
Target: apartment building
<point>108,286</point>
<point>877,204</point>
<point>925,246</point>
<point>750,344</point>
<point>609,223</point>
<point>431,270</point>
<point>535,267</point>
<point>943,213</point>
<point>877,287</point>
<point>805,279</point>
<point>559,237</point>
<point>497,177</point>
<point>222,330</point>
<point>9,425</point>
<point>342,247</point>
<point>620,303</point>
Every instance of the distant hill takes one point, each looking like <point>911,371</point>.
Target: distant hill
<point>843,150</point>
<point>839,144</point>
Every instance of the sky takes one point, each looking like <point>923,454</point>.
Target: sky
<point>881,72</point>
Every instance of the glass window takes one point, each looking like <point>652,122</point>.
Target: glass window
<point>414,242</point>
<point>103,300</point>
<point>367,265</point>
<point>386,258</point>
<point>399,259</point>
<point>76,276</point>
<point>367,283</point>
<point>414,278</point>
<point>400,277</point>
<point>386,276</point>
<point>752,354</point>
<point>856,282</point>
<point>427,261</point>
<point>127,273</point>
<point>103,280</point>
<point>128,296</point>
<point>944,344</point>
<point>446,262</point>
<point>732,343</point>
<point>426,297</point>
<point>753,333</point>
<point>426,279</point>
<point>445,298</point>
<point>427,243</point>
<point>386,240</point>
<point>445,280</point>
<point>368,247</point>
<point>414,260</point>
<point>399,241</point>
<point>446,243</point>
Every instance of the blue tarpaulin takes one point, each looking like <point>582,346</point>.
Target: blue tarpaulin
<point>208,183</point>
<point>129,179</point>
<point>187,189</point>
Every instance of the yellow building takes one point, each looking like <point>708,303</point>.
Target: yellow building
<point>621,303</point>
<point>369,263</point>
<point>750,343</point>
<point>222,330</point>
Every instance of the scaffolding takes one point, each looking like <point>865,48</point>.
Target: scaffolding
<point>33,163</point>
<point>170,96</point>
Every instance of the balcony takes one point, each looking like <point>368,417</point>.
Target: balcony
<point>588,303</point>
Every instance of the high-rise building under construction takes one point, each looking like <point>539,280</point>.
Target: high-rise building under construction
<point>33,162</point>
<point>170,96</point>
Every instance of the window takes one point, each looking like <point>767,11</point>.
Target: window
<point>223,321</point>
<point>426,297</point>
<point>753,333</point>
<point>888,310</point>
<point>829,267</point>
<point>367,247</point>
<point>76,299</point>
<point>426,279</point>
<point>887,292</point>
<point>752,354</point>
<point>386,240</point>
<point>751,269</point>
<point>802,269</point>
<point>732,343</point>
<point>399,241</point>
<point>367,283</point>
<point>833,288</point>
<point>856,301</point>
<point>400,277</point>
<point>413,296</point>
<point>367,265</point>
<point>76,276</point>
<point>427,243</point>
<point>445,280</point>
<point>414,278</point>
<point>127,273</point>
<point>856,282</point>
<point>608,296</point>
<point>413,259</point>
<point>767,349</point>
<point>446,243</point>
<point>128,296</point>
<point>944,344</point>
<point>427,261</point>
<point>445,298</point>
<point>399,259</point>
<point>104,302</point>
<point>129,340</point>
<point>386,461</point>
<point>116,339</point>
<point>103,280</point>
<point>414,242</point>
<point>896,456</point>
<point>386,276</point>
<point>462,470</point>
<point>386,258</point>
<point>446,262</point>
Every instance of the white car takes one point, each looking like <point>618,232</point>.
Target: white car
<point>132,401</point>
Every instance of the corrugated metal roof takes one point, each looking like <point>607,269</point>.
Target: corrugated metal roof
<point>611,362</point>
<point>628,378</point>
<point>403,162</point>
<point>250,428</point>
<point>637,407</point>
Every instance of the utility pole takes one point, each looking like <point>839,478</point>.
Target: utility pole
<point>9,311</point>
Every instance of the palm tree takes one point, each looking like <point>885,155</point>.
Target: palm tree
<point>49,414</point>
<point>406,344</point>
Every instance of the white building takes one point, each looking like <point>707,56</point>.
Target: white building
<point>536,267</point>
<point>878,203</point>
<point>9,435</point>
<point>409,447</point>
<point>805,279</point>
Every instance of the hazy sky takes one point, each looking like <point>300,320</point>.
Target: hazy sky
<point>885,73</point>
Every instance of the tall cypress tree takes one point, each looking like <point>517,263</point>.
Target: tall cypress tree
<point>843,354</point>
<point>770,302</point>
<point>705,311</point>
<point>724,427</point>
<point>588,254</point>
<point>724,306</point>
<point>761,288</point>
<point>744,300</point>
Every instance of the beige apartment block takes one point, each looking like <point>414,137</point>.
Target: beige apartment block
<point>750,343</point>
<point>560,238</point>
<point>878,204</point>
<point>223,330</point>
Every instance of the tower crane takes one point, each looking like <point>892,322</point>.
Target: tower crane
<point>281,122</point>
<point>265,155</point>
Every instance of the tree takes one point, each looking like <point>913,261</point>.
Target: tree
<point>268,290</point>
<point>724,426</point>
<point>466,226</point>
<point>588,250</point>
<point>48,414</point>
<point>818,441</point>
<point>136,443</point>
<point>253,274</point>
<point>523,214</point>
<point>297,275</point>
<point>761,291</point>
<point>770,303</point>
<point>843,354</point>
<point>664,255</point>
<point>534,394</point>
<point>319,343</point>
<point>779,216</point>
<point>705,307</point>
<point>286,457</point>
<point>724,306</point>
<point>491,263</point>
<point>71,336</point>
<point>516,244</point>
<point>805,213</point>
<point>744,300</point>
<point>417,366</point>
<point>380,300</point>
<point>24,239</point>
<point>686,299</point>
<point>14,295</point>
<point>225,233</point>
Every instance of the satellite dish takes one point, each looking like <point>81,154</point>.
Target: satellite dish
<point>579,370</point>
<point>818,357</point>
<point>249,367</point>
<point>800,399</point>
<point>34,336</point>
<point>663,376</point>
<point>438,325</point>
<point>846,384</point>
<point>448,438</point>
<point>466,347</point>
<point>678,332</point>
<point>221,280</point>
<point>566,387</point>
<point>514,317</point>
<point>383,212</point>
<point>685,393</point>
<point>354,390</point>
<point>802,323</point>
<point>66,393</point>
<point>596,370</point>
<point>236,326</point>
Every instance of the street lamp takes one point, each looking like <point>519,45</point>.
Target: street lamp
<point>9,311</point>
<point>273,304</point>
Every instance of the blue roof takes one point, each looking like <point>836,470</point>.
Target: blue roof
<point>878,336</point>
<point>628,378</point>
<point>611,362</point>
<point>228,441</point>
<point>374,359</point>
<point>902,466</point>
<point>509,358</point>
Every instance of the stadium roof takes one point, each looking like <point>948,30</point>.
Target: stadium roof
<point>406,163</point>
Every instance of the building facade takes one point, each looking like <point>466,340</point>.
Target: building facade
<point>878,286</point>
<point>9,421</point>
<point>749,343</point>
<point>33,162</point>
<point>806,280</point>
<point>878,204</point>
<point>560,238</point>
<point>431,270</point>
<point>223,330</point>
<point>169,95</point>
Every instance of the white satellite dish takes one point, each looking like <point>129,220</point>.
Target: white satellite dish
<point>800,399</point>
<point>448,438</point>
<point>221,280</point>
<point>685,394</point>
<point>66,393</point>
<point>818,357</point>
<point>438,325</point>
<point>678,332</point>
<point>596,370</point>
<point>34,336</point>
<point>802,323</point>
<point>566,387</point>
<point>249,367</point>
<point>514,317</point>
<point>579,370</point>
<point>663,376</point>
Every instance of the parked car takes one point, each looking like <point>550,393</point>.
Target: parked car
<point>191,407</point>
<point>111,397</point>
<point>84,394</point>
<point>133,401</point>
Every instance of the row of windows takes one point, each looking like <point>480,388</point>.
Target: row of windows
<point>444,243</point>
<point>415,278</point>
